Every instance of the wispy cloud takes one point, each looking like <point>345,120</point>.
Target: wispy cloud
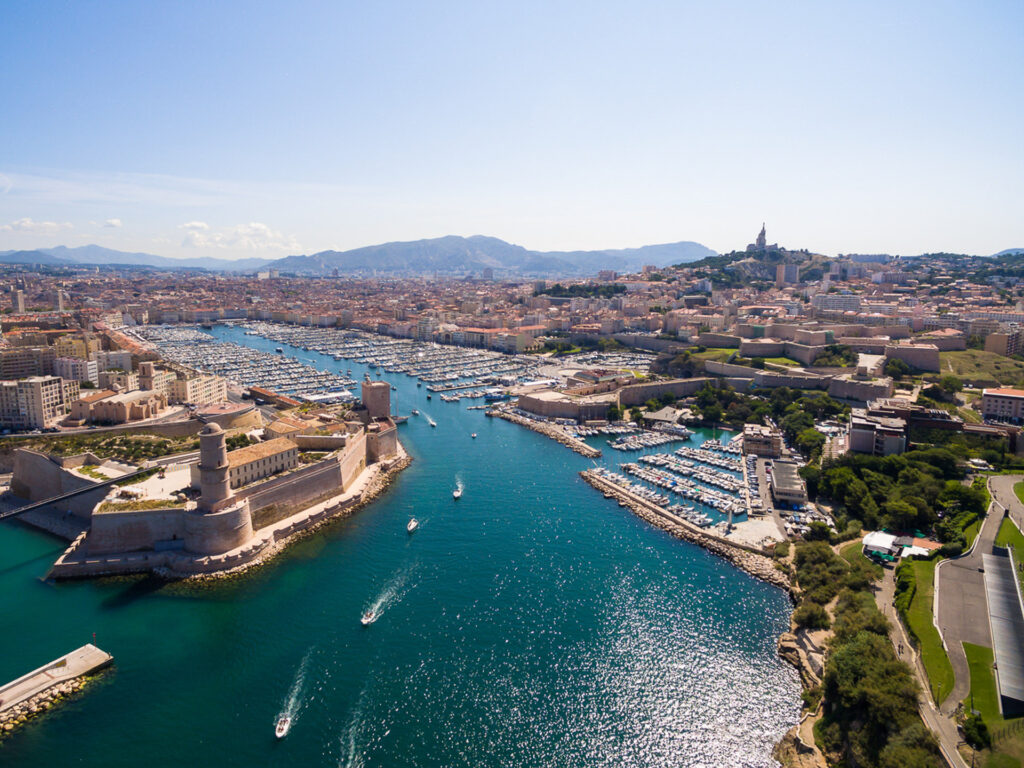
<point>30,225</point>
<point>253,236</point>
<point>113,223</point>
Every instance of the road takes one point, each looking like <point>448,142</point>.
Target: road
<point>961,607</point>
<point>943,727</point>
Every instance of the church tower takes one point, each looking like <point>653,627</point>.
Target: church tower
<point>762,239</point>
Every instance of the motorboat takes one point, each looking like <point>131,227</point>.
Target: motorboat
<point>394,388</point>
<point>414,412</point>
<point>279,350</point>
<point>432,422</point>
<point>457,493</point>
<point>368,618</point>
<point>413,525</point>
<point>428,396</point>
<point>284,722</point>
<point>473,435</point>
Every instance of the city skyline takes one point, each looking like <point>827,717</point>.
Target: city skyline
<point>866,129</point>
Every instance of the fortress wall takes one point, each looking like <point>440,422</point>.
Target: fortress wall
<point>36,478</point>
<point>637,394</point>
<point>215,532</point>
<point>129,531</point>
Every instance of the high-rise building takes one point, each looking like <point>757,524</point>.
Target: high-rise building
<point>18,302</point>
<point>35,402</point>
<point>76,369</point>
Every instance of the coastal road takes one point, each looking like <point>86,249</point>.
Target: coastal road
<point>961,607</point>
<point>943,727</point>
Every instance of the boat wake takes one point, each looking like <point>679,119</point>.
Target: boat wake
<point>392,593</point>
<point>292,705</point>
<point>459,485</point>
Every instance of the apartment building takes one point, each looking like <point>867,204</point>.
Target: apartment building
<point>35,402</point>
<point>77,369</point>
<point>198,390</point>
<point>1002,404</point>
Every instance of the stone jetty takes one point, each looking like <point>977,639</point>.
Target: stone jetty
<point>32,694</point>
<point>746,559</point>
<point>549,430</point>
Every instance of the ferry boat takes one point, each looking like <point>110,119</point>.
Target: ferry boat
<point>368,618</point>
<point>413,524</point>
<point>284,722</point>
<point>457,493</point>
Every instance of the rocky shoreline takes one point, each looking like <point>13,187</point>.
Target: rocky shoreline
<point>548,430</point>
<point>796,749</point>
<point>20,714</point>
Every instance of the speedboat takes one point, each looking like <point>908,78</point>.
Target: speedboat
<point>432,422</point>
<point>413,524</point>
<point>414,412</point>
<point>284,722</point>
<point>428,397</point>
<point>473,435</point>
<point>368,618</point>
<point>456,493</point>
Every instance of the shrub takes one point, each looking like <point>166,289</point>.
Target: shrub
<point>976,732</point>
<point>811,616</point>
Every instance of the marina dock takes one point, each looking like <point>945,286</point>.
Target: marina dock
<point>41,688</point>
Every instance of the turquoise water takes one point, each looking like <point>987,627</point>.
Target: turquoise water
<point>530,623</point>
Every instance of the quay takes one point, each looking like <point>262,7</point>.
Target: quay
<point>41,688</point>
<point>549,430</point>
<point>748,559</point>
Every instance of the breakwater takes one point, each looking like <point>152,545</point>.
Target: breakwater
<point>39,690</point>
<point>549,430</point>
<point>746,559</point>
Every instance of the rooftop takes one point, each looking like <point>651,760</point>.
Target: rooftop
<point>260,451</point>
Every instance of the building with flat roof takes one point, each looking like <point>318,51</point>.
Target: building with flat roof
<point>35,402</point>
<point>198,390</point>
<point>77,369</point>
<point>786,484</point>
<point>1003,404</point>
<point>762,441</point>
<point>877,435</point>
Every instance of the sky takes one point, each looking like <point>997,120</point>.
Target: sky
<point>253,129</point>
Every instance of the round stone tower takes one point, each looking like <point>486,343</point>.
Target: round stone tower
<point>214,477</point>
<point>220,522</point>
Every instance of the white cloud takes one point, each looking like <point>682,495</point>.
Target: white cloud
<point>253,236</point>
<point>29,225</point>
<point>115,223</point>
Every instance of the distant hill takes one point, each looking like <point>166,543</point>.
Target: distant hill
<point>63,256</point>
<point>462,255</point>
<point>1009,252</point>
<point>446,255</point>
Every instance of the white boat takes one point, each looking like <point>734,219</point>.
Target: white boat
<point>368,618</point>
<point>413,524</point>
<point>473,435</point>
<point>432,422</point>
<point>457,493</point>
<point>414,412</point>
<point>284,722</point>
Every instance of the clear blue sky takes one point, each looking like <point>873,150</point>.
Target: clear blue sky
<point>261,129</point>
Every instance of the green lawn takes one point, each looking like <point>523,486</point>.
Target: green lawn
<point>919,615</point>
<point>1018,488</point>
<point>971,532</point>
<point>786,361</point>
<point>976,364</point>
<point>983,684</point>
<point>853,553</point>
<point>1010,535</point>
<point>720,354</point>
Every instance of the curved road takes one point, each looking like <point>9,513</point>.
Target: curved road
<point>961,608</point>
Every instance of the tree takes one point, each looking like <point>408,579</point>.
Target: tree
<point>810,442</point>
<point>614,412</point>
<point>86,385</point>
<point>896,368</point>
<point>818,531</point>
<point>950,384</point>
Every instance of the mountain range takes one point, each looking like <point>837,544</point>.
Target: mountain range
<point>451,255</point>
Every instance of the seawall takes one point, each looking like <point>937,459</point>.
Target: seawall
<point>549,430</point>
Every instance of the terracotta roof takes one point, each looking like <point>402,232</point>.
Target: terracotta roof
<point>1004,392</point>
<point>259,451</point>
